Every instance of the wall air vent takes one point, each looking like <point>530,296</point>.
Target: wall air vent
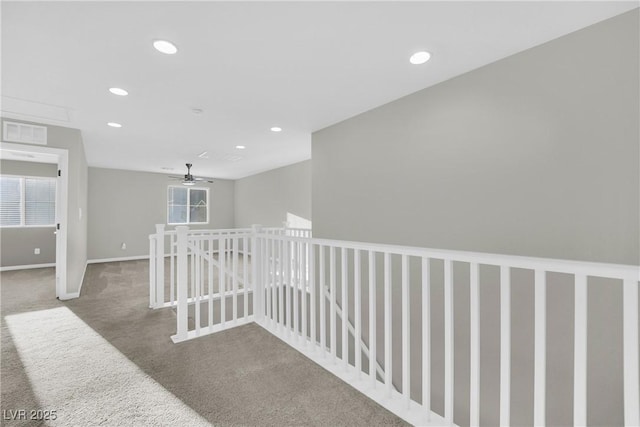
<point>20,132</point>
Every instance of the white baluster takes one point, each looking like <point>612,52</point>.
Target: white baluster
<point>580,352</point>
<point>245,277</point>
<point>197,286</point>
<point>345,307</point>
<point>505,346</point>
<point>295,286</point>
<point>303,290</point>
<point>448,342</point>
<point>426,337</point>
<point>323,299</point>
<point>372,319</point>
<point>357,297</point>
<point>540,334</point>
<point>388,339</point>
<point>406,333</point>
<point>474,306</point>
<point>172,272</point>
<point>210,279</point>
<point>312,290</point>
<point>222,289</point>
<point>332,296</point>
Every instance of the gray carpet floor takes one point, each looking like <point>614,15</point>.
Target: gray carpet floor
<point>243,376</point>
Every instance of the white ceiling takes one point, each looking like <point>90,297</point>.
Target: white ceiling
<point>298,65</point>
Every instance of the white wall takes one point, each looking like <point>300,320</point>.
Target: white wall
<point>267,197</point>
<point>537,155</point>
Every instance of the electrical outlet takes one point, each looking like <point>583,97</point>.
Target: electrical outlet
<point>123,246</point>
<point>36,251</point>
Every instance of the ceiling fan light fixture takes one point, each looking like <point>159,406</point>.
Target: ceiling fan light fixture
<point>188,183</point>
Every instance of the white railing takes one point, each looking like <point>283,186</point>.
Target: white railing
<point>163,259</point>
<point>302,288</point>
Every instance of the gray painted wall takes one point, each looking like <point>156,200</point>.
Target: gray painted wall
<point>71,140</point>
<point>125,206</point>
<point>17,244</point>
<point>537,155</point>
<point>266,198</point>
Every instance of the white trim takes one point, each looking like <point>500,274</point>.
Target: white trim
<point>27,267</point>
<point>125,258</point>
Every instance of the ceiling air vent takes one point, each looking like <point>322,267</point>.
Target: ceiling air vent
<point>28,134</point>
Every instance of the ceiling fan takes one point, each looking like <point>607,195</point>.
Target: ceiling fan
<point>189,179</point>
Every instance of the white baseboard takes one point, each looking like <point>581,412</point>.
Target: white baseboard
<point>27,267</point>
<point>126,258</point>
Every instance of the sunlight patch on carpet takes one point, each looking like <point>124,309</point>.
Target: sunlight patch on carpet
<point>76,372</point>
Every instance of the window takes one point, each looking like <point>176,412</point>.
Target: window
<point>27,202</point>
<point>187,205</point>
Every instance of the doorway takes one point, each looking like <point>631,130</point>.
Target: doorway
<point>60,157</point>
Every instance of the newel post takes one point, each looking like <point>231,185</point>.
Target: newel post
<point>159,265</point>
<point>256,268</point>
<point>152,270</point>
<point>182,284</point>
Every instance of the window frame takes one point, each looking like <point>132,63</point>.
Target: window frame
<point>23,205</point>
<point>188,188</point>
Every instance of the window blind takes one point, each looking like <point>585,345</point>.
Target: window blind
<point>40,201</point>
<point>10,201</point>
<point>27,201</point>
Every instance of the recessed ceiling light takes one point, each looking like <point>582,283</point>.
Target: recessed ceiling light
<point>420,57</point>
<point>276,129</point>
<point>114,125</point>
<point>118,91</point>
<point>240,147</point>
<point>165,47</point>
